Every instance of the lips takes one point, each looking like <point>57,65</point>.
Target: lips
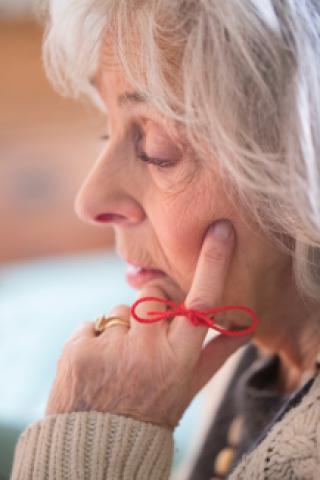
<point>138,276</point>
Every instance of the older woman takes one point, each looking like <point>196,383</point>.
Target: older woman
<point>210,177</point>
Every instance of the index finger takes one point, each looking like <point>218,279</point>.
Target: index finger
<point>207,285</point>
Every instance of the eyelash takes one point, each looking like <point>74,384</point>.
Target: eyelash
<point>158,162</point>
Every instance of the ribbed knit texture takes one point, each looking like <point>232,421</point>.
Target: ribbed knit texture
<point>93,446</point>
<point>291,450</point>
<point>96,446</point>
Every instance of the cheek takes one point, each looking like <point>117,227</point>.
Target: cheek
<point>180,221</point>
<point>180,228</point>
<point>181,242</point>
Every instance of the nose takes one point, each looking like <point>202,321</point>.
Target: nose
<point>107,197</point>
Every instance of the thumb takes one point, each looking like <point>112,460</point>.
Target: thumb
<point>213,356</point>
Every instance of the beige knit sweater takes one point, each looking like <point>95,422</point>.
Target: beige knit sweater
<point>96,446</point>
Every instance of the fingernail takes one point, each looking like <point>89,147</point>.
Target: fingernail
<point>221,229</point>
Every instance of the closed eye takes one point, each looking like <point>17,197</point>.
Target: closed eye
<point>141,154</point>
<point>155,161</point>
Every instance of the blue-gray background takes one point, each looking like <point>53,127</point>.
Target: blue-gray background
<point>41,303</point>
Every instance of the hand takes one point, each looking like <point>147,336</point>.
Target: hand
<point>149,372</point>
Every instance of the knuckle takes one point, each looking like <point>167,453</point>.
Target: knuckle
<point>198,302</point>
<point>86,324</point>
<point>79,330</point>
<point>70,342</point>
<point>120,309</point>
<point>122,306</point>
<point>82,358</point>
<point>74,347</point>
<point>215,255</point>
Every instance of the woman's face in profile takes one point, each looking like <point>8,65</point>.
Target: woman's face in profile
<point>161,210</point>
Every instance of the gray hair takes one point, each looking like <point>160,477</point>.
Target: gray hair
<point>243,79</point>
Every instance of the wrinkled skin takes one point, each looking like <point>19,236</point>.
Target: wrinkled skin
<point>150,372</point>
<point>161,217</point>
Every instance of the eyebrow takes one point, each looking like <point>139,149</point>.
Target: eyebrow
<point>131,97</point>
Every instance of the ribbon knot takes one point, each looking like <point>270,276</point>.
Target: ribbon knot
<point>196,317</point>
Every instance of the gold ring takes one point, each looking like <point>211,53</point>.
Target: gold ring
<point>104,322</point>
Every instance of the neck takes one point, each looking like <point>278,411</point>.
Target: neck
<point>293,332</point>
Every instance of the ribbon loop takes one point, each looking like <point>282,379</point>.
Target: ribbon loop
<point>196,317</point>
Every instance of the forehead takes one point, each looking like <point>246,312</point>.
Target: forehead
<point>116,91</point>
<point>119,94</point>
<point>110,80</point>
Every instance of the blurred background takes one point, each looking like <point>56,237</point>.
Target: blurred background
<point>55,272</point>
<point>47,145</point>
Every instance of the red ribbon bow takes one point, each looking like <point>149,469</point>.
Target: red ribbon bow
<point>195,316</point>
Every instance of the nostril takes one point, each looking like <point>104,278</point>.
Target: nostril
<point>108,218</point>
